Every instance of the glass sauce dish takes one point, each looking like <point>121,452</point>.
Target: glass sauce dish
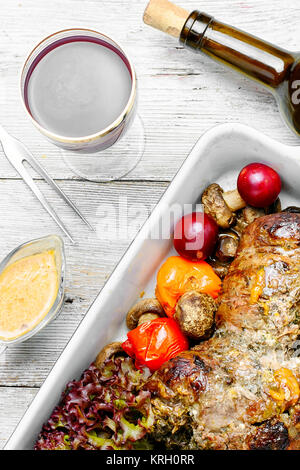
<point>51,243</point>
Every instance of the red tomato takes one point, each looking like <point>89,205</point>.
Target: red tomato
<point>155,342</point>
<point>259,185</point>
<point>195,236</point>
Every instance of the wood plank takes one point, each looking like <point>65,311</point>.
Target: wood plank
<point>181,95</point>
<point>13,404</point>
<point>89,263</point>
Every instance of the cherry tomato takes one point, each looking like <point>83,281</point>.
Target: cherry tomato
<point>195,236</point>
<point>259,185</point>
<point>155,342</point>
<point>178,276</point>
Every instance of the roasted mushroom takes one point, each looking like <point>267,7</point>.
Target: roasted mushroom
<point>274,208</point>
<point>144,310</point>
<point>234,200</point>
<point>219,267</point>
<point>292,210</point>
<point>227,246</point>
<point>226,249</point>
<point>108,352</point>
<point>220,205</point>
<point>245,217</point>
<point>195,314</point>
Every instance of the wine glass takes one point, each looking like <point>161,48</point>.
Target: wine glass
<point>79,89</point>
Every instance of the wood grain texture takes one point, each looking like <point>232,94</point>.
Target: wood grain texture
<point>180,97</point>
<point>13,404</point>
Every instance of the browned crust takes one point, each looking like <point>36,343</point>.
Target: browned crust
<point>270,243</point>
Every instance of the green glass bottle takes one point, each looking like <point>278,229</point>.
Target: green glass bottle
<point>271,66</point>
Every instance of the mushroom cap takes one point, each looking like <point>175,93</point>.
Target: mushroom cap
<point>147,317</point>
<point>245,217</point>
<point>292,210</point>
<point>108,352</point>
<point>195,314</point>
<point>274,208</point>
<point>219,267</point>
<point>227,246</point>
<point>143,307</point>
<point>216,207</point>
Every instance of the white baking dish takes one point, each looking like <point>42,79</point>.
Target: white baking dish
<point>217,157</point>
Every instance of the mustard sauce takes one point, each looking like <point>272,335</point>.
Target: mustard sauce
<point>28,289</point>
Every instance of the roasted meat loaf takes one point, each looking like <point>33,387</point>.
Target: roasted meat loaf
<point>239,390</point>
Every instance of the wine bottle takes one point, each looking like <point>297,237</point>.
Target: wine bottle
<point>271,66</point>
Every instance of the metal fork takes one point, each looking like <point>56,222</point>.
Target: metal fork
<point>17,154</point>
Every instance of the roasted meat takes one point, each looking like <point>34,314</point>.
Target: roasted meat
<point>239,390</point>
<point>262,288</point>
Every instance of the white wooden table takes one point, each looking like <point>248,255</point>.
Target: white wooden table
<point>181,96</point>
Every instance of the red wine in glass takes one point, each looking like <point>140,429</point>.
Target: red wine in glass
<point>79,89</point>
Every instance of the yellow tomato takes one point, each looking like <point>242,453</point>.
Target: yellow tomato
<point>178,275</point>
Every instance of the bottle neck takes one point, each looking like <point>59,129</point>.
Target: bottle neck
<point>247,54</point>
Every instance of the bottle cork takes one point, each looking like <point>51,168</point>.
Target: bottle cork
<point>165,16</point>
